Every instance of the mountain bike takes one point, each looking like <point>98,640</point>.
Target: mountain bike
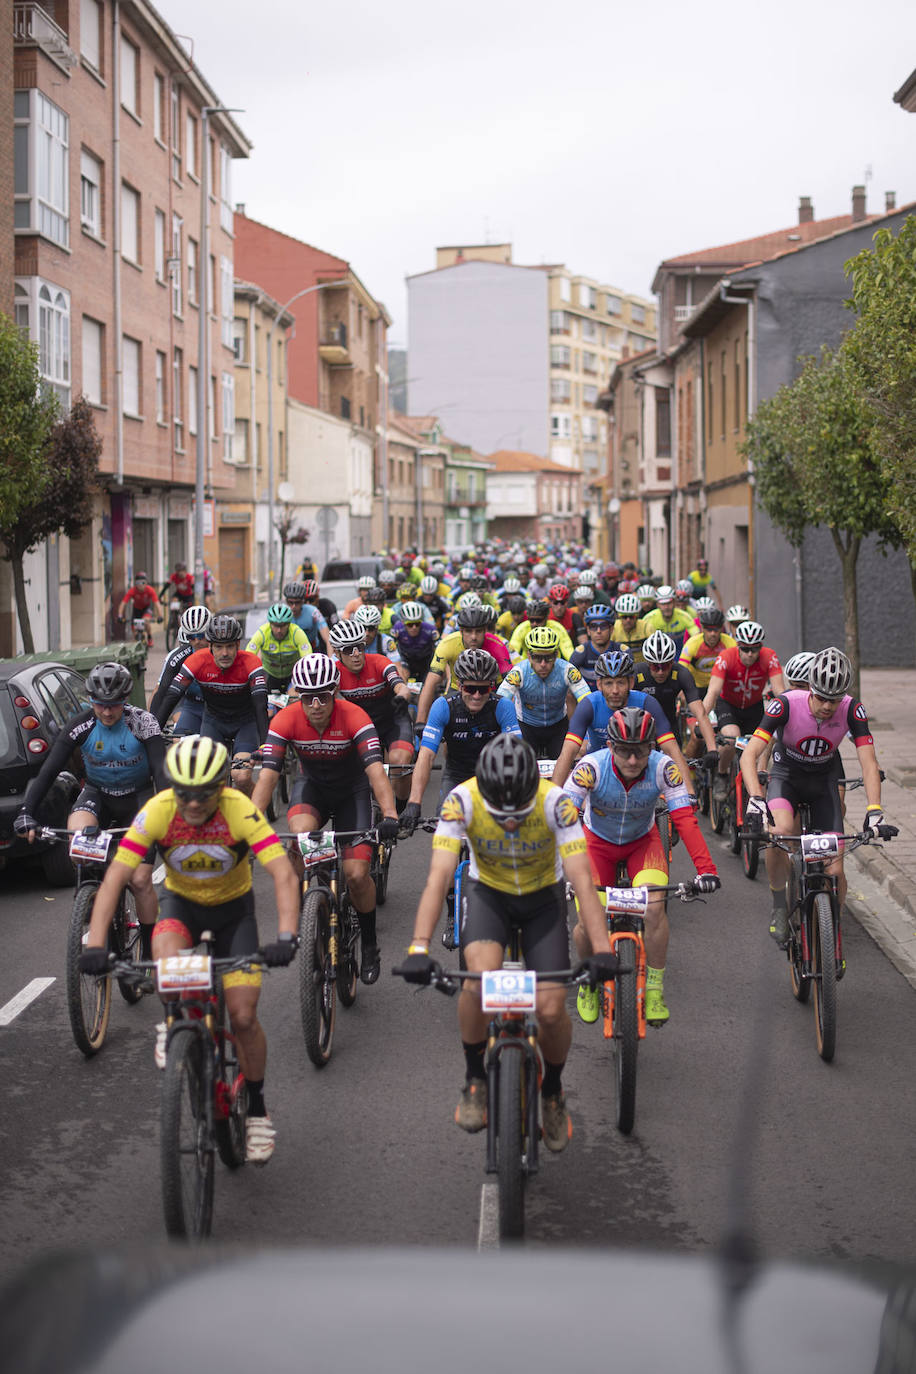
<point>514,1070</point>
<point>814,948</point>
<point>726,814</point>
<point>204,1104</point>
<point>329,936</point>
<point>382,851</point>
<point>89,997</point>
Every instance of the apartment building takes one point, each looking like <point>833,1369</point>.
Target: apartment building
<point>123,172</point>
<point>505,352</point>
<point>415,498</point>
<point>529,497</point>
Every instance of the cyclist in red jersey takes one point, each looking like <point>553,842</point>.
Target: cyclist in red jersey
<point>736,686</point>
<point>341,758</point>
<point>560,609</point>
<point>145,604</point>
<point>373,682</point>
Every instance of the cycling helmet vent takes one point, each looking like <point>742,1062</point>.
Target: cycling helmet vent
<point>476,665</point>
<point>616,663</point>
<point>316,673</point>
<point>630,725</point>
<point>659,649</point>
<point>109,684</point>
<point>197,762</point>
<point>749,633</point>
<point>507,774</point>
<point>345,633</point>
<point>224,629</point>
<point>830,674</point>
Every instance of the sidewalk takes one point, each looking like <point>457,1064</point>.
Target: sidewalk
<point>888,871</point>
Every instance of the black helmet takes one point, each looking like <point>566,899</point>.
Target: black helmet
<point>507,773</point>
<point>473,618</point>
<point>515,605</point>
<point>711,618</point>
<point>375,596</point>
<point>538,606</point>
<point>294,591</point>
<point>476,665</point>
<point>630,725</point>
<point>224,629</point>
<point>108,684</point>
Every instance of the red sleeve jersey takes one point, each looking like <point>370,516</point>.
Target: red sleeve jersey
<point>226,692</point>
<point>335,757</point>
<point>144,598</point>
<point>743,683</point>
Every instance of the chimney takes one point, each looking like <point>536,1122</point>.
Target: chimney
<point>859,213</point>
<point>240,208</point>
<point>890,201</point>
<point>805,210</point>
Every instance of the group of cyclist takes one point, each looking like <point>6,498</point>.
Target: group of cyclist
<point>507,658</point>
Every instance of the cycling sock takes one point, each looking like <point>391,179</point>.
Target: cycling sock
<point>367,926</point>
<point>256,1099</point>
<point>473,1059</point>
<point>550,1084</point>
<point>655,978</point>
<point>146,942</point>
<point>778,896</point>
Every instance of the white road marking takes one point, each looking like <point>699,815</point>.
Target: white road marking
<point>159,873</point>
<point>488,1227</point>
<point>23,998</point>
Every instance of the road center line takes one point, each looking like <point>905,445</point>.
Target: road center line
<point>22,999</point>
<point>488,1226</point>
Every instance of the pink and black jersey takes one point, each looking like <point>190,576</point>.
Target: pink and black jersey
<point>803,741</point>
<point>337,756</point>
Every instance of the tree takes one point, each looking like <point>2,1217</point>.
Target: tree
<point>882,347</point>
<point>59,481</point>
<point>27,415</point>
<point>812,446</point>
<point>285,523</point>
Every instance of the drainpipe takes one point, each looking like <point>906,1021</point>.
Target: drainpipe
<point>116,254</point>
<point>748,301</point>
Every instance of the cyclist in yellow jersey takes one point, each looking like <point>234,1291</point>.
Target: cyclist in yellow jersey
<point>205,832</point>
<point>523,834</point>
<point>538,614</point>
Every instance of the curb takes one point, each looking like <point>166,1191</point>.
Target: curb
<point>875,864</point>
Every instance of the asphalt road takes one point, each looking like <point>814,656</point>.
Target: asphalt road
<point>367,1150</point>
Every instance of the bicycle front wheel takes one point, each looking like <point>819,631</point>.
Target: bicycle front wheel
<point>88,997</point>
<point>185,1147</point>
<point>716,809</point>
<point>750,857</point>
<point>348,954</point>
<point>125,941</point>
<point>510,1125</point>
<point>317,992</point>
<point>823,959</point>
<point>626,1036</point>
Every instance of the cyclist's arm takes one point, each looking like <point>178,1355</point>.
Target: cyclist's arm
<point>427,694</point>
<point>716,683</point>
<point>155,753</point>
<point>507,716</point>
<point>508,688</point>
<point>754,750</point>
<point>871,775</point>
<point>439,879</point>
<point>176,690</point>
<point>591,913</point>
<point>113,884</point>
<point>694,702</point>
<point>381,786</point>
<point>778,683</point>
<point>56,761</point>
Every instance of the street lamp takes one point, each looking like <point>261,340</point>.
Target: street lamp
<point>203,345</point>
<point>306,290</point>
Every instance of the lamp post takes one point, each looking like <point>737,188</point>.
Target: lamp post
<point>203,342</point>
<point>306,290</point>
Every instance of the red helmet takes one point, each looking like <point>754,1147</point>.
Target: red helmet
<point>558,592</point>
<point>311,588</point>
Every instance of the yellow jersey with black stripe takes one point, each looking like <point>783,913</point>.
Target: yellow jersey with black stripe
<point>206,863</point>
<point>527,860</point>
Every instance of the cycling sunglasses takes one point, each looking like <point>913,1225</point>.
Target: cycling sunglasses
<point>640,752</point>
<point>353,649</point>
<point>543,658</point>
<point>196,794</point>
<point>316,698</point>
<point>477,689</point>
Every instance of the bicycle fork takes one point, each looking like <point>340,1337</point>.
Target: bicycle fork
<point>610,988</point>
<point>513,1031</point>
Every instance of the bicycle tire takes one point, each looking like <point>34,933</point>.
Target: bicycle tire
<point>510,1143</point>
<point>348,943</point>
<point>716,810</point>
<point>125,941</point>
<point>801,986</point>
<point>88,997</point>
<point>823,958</point>
<point>185,1148</point>
<point>381,881</point>
<point>731,818</point>
<point>750,857</point>
<point>317,989</point>
<point>626,1036</point>
<point>230,1130</point>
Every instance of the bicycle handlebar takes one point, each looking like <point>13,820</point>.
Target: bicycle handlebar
<point>138,970</point>
<point>851,842</point>
<point>449,980</point>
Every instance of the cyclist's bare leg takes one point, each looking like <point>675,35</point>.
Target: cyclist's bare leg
<point>472,1022</point>
<point>777,862</point>
<point>657,930</point>
<point>241,774</point>
<point>79,820</point>
<point>359,884</point>
<point>401,755</point>
<point>554,1025</point>
<point>251,1042</point>
<point>727,751</point>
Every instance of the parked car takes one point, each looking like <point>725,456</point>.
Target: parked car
<point>35,701</point>
<point>350,569</point>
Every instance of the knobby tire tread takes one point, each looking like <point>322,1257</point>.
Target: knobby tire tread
<point>185,1150</point>
<point>317,992</point>
<point>511,1125</point>
<point>823,934</point>
<point>89,1037</point>
<point>626,1039</point>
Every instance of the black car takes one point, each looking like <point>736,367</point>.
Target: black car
<point>35,701</point>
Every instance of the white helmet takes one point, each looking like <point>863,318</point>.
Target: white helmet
<point>749,633</point>
<point>588,577</point>
<point>345,633</point>
<point>410,612</point>
<point>736,612</point>
<point>368,616</point>
<point>194,621</point>
<point>704,603</point>
<point>798,667</point>
<point>659,649</point>
<point>830,674</point>
<point>429,585</point>
<point>664,593</point>
<point>511,585</point>
<point>646,592</point>
<point>539,571</point>
<point>316,673</point>
<point>468,599</point>
<point>684,586</point>
<point>628,604</point>
<point>366,582</point>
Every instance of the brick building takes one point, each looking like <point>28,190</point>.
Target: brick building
<point>532,498</point>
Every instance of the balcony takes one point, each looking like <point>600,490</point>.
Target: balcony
<point>457,497</point>
<point>682,313</point>
<point>333,348</point>
<point>32,27</point>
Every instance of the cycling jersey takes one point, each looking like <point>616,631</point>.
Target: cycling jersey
<point>182,586</point>
<point>312,622</point>
<point>173,662</point>
<point>279,656</point>
<point>232,695</point>
<point>630,639</point>
<point>621,811</point>
<point>585,659</point>
<point>206,863</point>
<point>117,759</point>
<point>466,732</point>
<point>566,618</point>
<point>336,757</point>
<point>373,689</point>
<point>697,656</point>
<point>681,625</point>
<point>527,860</point>
<point>448,649</point>
<point>743,684</point>
<point>505,625</point>
<point>702,582</point>
<point>668,690</point>
<point>416,651</point>
<point>144,599</point>
<point>542,701</point>
<point>804,742</point>
<point>592,714</point>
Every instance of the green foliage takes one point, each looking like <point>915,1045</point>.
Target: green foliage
<point>882,350</point>
<point>62,500</point>
<point>27,414</point>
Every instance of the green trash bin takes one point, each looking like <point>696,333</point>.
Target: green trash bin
<point>86,656</point>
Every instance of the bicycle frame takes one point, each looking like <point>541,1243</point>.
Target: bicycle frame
<point>517,1029</point>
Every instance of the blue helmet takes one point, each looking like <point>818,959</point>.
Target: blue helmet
<point>615,663</point>
<point>599,612</point>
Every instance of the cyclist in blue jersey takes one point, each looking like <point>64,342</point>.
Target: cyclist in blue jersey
<point>599,621</point>
<point>415,640</point>
<point>615,672</point>
<point>308,618</point>
<point>539,685</point>
<point>192,635</point>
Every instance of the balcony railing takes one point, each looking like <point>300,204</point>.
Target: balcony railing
<point>333,347</point>
<point>682,313</point>
<point>31,25</point>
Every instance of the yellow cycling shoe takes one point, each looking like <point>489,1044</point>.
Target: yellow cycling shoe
<point>656,1011</point>
<point>588,1002</point>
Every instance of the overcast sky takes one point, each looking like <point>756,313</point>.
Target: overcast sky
<point>604,135</point>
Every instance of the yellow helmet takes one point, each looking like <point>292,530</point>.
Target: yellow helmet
<point>543,638</point>
<point>197,762</point>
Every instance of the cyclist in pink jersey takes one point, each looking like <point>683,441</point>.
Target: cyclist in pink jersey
<point>807,728</point>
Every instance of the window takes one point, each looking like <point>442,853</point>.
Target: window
<point>588,296</point>
<point>345,407</point>
<point>737,388</point>
<point>565,289</point>
<point>589,428</point>
<point>159,245</point>
<point>190,146</point>
<point>662,422</point>
<point>613,305</point>
<point>91,33</point>
<point>93,371</point>
<point>213,433</point>
<point>91,194</point>
<point>177,379</point>
<point>559,389</point>
<point>637,313</point>
<point>240,340</point>
<point>159,107</point>
<point>43,310</point>
<point>192,400</point>
<point>225,189</point>
<point>560,426</point>
<point>226,300</point>
<point>589,329</point>
<point>559,322</point>
<point>559,356</point>
<point>589,395</point>
<point>175,136</point>
<point>130,63</point>
<point>723,392</point>
<point>589,362</point>
<point>160,388</point>
<point>42,160</point>
<point>709,400</point>
<point>192,271</point>
<point>175,263</point>
<point>130,224</point>
<point>130,373</point>
<point>240,442</point>
<point>228,394</point>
